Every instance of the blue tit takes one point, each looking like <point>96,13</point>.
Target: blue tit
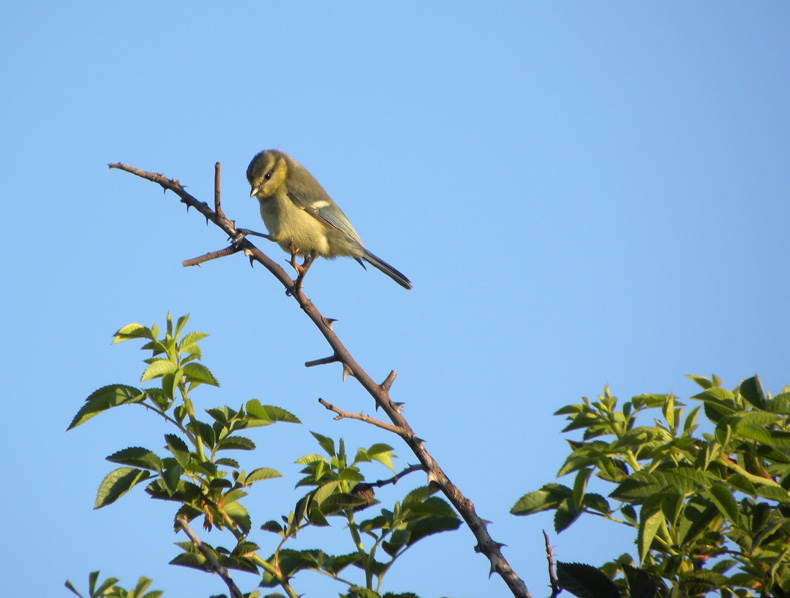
<point>302,218</point>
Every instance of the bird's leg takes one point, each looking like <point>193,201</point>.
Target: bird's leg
<point>294,251</point>
<point>301,269</point>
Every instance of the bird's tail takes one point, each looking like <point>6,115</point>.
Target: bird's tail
<point>387,269</point>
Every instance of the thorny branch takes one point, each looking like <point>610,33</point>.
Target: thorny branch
<point>215,566</point>
<point>380,392</point>
<point>555,584</point>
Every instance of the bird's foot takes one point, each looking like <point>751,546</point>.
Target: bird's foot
<point>301,270</point>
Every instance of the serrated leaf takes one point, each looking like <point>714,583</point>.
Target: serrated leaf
<point>197,373</point>
<point>751,389</point>
<point>723,499</point>
<point>137,457</point>
<point>106,398</point>
<point>191,560</point>
<point>239,515</point>
<point>270,413</point>
<point>273,527</point>
<point>262,473</point>
<point>236,443</point>
<point>585,581</point>
<point>642,485</point>
<point>700,380</point>
<point>649,522</point>
<point>597,503</point>
<point>117,483</point>
<point>131,331</point>
<point>192,338</point>
<point>178,448</point>
<point>580,486</point>
<point>640,583</point>
<point>384,458</point>
<point>774,493</point>
<point>158,368</point>
<point>326,443</point>
<point>565,515</point>
<point>537,501</point>
<point>180,323</point>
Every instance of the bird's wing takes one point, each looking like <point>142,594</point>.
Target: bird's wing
<point>321,206</point>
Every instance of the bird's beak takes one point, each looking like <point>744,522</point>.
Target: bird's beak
<point>254,191</point>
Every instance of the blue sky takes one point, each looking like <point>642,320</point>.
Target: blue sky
<point>581,193</point>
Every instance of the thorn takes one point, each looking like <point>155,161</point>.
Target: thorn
<point>387,384</point>
<point>397,406</point>
<point>347,372</point>
<point>432,479</point>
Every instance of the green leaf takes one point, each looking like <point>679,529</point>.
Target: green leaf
<point>106,398</point>
<point>640,582</point>
<point>262,473</point>
<point>642,485</point>
<point>597,503</point>
<point>780,404</point>
<point>270,413</point>
<point>180,325</point>
<point>273,527</point>
<point>668,409</point>
<point>579,486</point>
<point>190,341</point>
<point>241,443</point>
<point>751,389</point>
<point>227,462</point>
<point>137,457</point>
<point>650,521</point>
<point>326,443</point>
<point>131,331</point>
<point>774,493</point>
<point>191,560</point>
<point>178,448</point>
<point>565,515</point>
<point>197,373</point>
<point>701,381</point>
<point>158,368</point>
<point>239,515</point>
<point>724,501</point>
<point>117,483</point>
<point>539,500</point>
<point>585,581</point>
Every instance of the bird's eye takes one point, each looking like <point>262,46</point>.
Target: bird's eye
<point>268,175</point>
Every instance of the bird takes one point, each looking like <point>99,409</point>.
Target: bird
<point>301,217</point>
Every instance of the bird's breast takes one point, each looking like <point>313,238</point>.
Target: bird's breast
<point>288,223</point>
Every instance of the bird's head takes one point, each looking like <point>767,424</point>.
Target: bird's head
<point>267,172</point>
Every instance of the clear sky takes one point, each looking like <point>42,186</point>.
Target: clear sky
<point>582,194</point>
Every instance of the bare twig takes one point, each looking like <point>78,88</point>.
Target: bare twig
<point>380,392</point>
<point>394,479</point>
<point>217,206</point>
<point>215,566</point>
<point>211,255</point>
<point>555,585</point>
<point>361,417</point>
<point>322,361</point>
